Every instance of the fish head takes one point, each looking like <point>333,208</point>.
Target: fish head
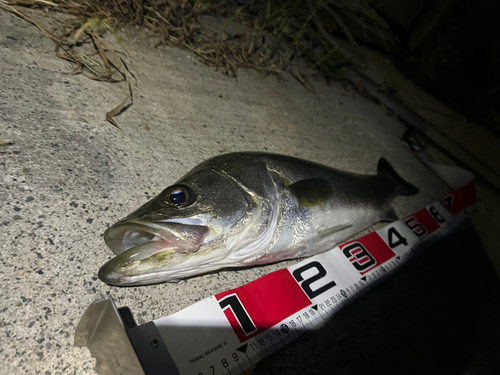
<point>190,228</point>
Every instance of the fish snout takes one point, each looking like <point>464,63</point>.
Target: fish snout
<point>141,247</point>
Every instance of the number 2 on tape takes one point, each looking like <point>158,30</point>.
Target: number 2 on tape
<point>306,284</point>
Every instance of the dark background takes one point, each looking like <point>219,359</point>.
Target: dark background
<point>437,315</point>
<point>452,49</point>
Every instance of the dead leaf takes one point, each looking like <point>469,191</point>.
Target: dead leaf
<point>99,43</point>
<point>147,127</point>
<point>115,112</point>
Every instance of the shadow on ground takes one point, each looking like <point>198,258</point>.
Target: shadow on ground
<point>439,314</point>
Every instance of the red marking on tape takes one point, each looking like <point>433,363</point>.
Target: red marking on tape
<point>372,253</point>
<point>267,300</point>
<point>460,199</point>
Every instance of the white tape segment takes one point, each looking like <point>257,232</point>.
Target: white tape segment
<point>232,331</point>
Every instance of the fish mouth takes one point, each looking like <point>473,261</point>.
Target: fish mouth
<point>136,242</point>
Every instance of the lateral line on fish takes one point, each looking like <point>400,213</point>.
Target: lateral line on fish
<point>329,231</point>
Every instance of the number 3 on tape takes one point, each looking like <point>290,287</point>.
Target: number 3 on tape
<point>367,252</point>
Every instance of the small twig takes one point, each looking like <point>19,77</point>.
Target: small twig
<point>346,31</point>
<point>325,34</point>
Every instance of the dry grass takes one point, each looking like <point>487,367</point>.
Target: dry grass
<point>275,32</point>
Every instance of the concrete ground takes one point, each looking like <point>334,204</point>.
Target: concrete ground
<point>69,174</point>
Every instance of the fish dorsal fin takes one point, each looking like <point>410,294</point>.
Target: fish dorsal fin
<point>402,187</point>
<point>331,231</point>
<point>312,192</point>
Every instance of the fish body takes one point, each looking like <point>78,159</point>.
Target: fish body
<point>245,209</point>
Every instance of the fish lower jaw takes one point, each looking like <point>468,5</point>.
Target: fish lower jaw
<point>131,274</point>
<point>168,263</point>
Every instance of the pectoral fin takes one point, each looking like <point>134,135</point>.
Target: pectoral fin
<point>312,192</point>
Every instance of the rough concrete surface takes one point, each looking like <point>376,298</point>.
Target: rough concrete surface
<point>69,174</point>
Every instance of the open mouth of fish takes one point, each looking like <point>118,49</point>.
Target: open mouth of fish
<point>135,242</point>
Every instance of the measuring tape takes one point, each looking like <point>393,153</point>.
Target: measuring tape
<point>230,332</point>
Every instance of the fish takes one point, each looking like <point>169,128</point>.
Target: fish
<point>245,209</point>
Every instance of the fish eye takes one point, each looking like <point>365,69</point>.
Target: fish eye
<point>179,196</point>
